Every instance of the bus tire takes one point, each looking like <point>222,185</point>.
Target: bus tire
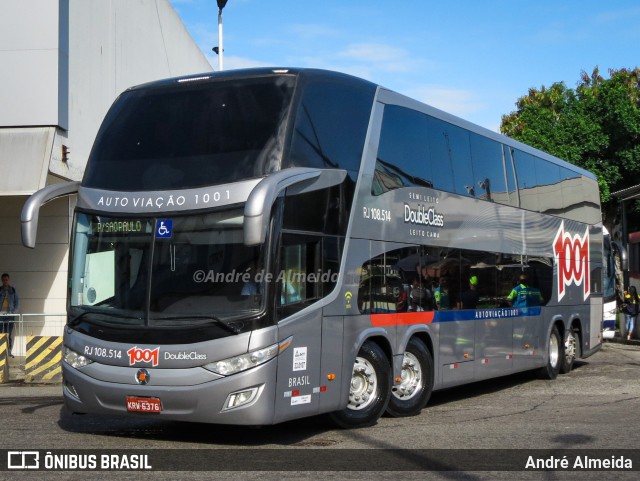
<point>369,389</point>
<point>414,391</point>
<point>555,353</point>
<point>570,351</point>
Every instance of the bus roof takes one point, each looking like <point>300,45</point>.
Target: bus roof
<point>255,72</point>
<point>313,73</point>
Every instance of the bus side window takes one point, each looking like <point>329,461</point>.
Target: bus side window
<point>382,287</point>
<point>309,266</point>
<point>440,155</point>
<point>488,171</point>
<point>402,159</point>
<point>291,276</point>
<point>527,180</point>
<point>460,158</point>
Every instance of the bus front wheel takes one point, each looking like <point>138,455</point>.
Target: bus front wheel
<point>369,389</point>
<point>555,354</point>
<point>412,394</point>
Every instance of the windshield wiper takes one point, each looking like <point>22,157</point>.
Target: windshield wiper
<point>72,322</point>
<point>75,320</point>
<point>216,321</point>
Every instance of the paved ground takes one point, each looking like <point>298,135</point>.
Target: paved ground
<point>595,407</point>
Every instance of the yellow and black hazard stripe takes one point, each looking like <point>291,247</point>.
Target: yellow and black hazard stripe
<point>4,358</point>
<point>44,356</point>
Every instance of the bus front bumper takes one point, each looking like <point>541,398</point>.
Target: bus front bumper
<point>206,402</point>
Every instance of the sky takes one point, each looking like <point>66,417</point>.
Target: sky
<point>471,58</point>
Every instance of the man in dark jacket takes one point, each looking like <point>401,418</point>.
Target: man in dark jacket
<point>10,303</point>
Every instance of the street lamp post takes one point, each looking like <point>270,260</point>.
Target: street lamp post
<point>220,48</point>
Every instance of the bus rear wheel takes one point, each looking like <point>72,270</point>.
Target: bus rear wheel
<point>555,354</point>
<point>570,351</point>
<point>408,398</point>
<point>369,389</point>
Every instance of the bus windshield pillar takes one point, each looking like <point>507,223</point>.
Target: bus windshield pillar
<point>31,208</point>
<point>263,196</point>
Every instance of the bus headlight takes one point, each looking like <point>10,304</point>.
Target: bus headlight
<point>236,364</point>
<point>74,359</point>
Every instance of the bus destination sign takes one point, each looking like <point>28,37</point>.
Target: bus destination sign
<point>119,226</point>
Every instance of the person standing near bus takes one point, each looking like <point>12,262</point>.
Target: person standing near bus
<point>10,304</point>
<point>441,295</point>
<point>469,298</point>
<point>524,296</point>
<point>420,296</point>
<point>631,308</point>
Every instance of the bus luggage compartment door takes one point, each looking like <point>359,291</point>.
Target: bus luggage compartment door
<point>457,351</point>
<point>494,347</point>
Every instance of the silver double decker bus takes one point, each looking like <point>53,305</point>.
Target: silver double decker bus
<point>255,246</point>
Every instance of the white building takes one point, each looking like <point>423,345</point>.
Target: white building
<point>62,63</point>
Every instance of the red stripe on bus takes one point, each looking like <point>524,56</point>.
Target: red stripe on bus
<point>401,319</point>
<point>634,237</point>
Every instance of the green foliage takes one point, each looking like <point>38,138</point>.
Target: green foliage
<point>595,126</point>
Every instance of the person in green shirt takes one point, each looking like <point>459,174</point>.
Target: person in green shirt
<point>441,295</point>
<point>523,295</point>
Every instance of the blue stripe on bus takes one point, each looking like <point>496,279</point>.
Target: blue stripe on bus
<point>387,319</point>
<point>494,313</point>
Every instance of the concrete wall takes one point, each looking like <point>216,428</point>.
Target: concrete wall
<point>34,55</point>
<point>39,275</point>
<point>64,63</point>
<point>24,155</point>
<point>115,44</point>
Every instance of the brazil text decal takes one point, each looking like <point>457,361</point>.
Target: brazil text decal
<point>572,258</point>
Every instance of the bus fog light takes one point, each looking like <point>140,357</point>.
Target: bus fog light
<point>242,398</point>
<point>74,359</point>
<point>68,387</point>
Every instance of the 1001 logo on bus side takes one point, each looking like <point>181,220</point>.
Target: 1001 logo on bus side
<point>572,258</point>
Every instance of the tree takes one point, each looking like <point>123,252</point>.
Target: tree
<point>596,127</point>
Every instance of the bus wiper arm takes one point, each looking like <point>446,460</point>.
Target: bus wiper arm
<point>72,322</point>
<point>217,322</point>
<point>75,320</point>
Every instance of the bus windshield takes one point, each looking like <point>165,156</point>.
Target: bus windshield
<point>191,134</point>
<point>181,271</point>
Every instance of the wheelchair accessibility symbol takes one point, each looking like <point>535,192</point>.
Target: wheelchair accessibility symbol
<point>164,228</point>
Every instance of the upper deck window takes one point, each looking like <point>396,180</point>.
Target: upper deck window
<point>193,134</point>
<point>403,158</point>
<point>331,125</point>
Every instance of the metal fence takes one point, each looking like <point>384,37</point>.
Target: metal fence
<point>33,324</point>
